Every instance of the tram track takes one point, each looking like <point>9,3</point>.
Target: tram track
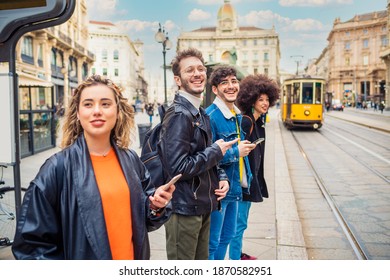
<point>348,165</point>
<point>362,162</point>
<point>332,127</point>
<point>346,229</point>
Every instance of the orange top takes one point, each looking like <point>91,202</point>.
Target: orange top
<point>115,195</point>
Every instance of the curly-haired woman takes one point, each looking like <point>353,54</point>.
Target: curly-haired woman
<point>257,94</point>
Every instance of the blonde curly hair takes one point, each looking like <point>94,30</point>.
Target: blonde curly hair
<point>124,126</point>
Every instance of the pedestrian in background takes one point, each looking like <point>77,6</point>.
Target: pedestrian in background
<point>186,148</point>
<point>382,106</point>
<point>92,200</point>
<point>225,120</point>
<point>150,111</point>
<point>257,94</point>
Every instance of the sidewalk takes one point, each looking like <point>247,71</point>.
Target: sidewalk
<point>376,119</point>
<point>274,230</point>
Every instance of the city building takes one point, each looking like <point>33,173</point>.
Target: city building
<point>251,49</point>
<point>118,58</point>
<point>385,55</point>
<point>356,72</point>
<point>50,63</point>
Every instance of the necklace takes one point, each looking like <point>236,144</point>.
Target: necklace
<point>102,154</point>
<point>106,153</point>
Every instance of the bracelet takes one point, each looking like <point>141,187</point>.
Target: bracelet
<point>156,212</point>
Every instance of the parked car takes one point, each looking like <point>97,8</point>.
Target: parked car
<point>338,107</point>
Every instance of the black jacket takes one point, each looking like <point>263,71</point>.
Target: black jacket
<point>66,221</point>
<point>258,188</point>
<point>186,148</point>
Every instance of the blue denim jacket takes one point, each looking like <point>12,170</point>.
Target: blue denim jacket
<point>223,126</point>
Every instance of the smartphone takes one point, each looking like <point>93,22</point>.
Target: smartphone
<point>172,181</point>
<point>258,141</point>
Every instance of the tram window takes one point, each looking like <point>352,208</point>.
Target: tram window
<point>318,93</point>
<point>296,93</point>
<point>307,93</point>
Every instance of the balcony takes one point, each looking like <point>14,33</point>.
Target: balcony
<point>65,41</point>
<point>79,48</point>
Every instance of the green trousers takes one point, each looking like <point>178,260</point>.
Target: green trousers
<point>187,237</point>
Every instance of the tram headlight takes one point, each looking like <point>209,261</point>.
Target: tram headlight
<point>307,112</point>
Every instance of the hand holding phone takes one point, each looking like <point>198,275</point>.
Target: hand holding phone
<point>258,141</point>
<point>172,181</point>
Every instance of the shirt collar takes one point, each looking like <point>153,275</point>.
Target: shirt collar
<point>196,101</point>
<point>224,109</point>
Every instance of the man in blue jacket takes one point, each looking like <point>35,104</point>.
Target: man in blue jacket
<point>225,120</point>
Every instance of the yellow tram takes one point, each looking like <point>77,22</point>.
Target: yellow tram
<point>302,102</point>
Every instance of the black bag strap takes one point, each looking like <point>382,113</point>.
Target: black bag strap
<point>250,132</point>
<point>161,112</point>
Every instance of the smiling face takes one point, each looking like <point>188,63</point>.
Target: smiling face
<point>192,77</point>
<point>97,112</point>
<point>227,90</point>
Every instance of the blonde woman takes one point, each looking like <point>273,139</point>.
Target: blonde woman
<point>93,199</point>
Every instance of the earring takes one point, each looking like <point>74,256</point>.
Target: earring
<point>253,109</point>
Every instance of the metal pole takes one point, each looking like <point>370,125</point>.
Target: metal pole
<point>17,177</point>
<point>165,77</point>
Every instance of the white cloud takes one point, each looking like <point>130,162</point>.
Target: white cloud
<point>267,19</point>
<point>103,9</point>
<point>263,19</point>
<point>136,25</point>
<point>307,24</point>
<point>198,15</point>
<point>312,3</point>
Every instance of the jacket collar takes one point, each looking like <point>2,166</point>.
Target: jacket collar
<point>187,104</point>
<point>88,200</point>
<point>224,109</point>
<point>195,101</point>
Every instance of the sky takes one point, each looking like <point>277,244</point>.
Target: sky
<point>302,25</point>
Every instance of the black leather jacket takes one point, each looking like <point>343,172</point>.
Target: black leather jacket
<point>66,221</point>
<point>186,148</point>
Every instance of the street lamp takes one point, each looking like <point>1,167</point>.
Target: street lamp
<point>162,37</point>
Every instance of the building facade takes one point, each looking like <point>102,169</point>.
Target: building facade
<point>251,49</point>
<point>50,63</point>
<point>118,58</point>
<point>356,72</point>
<point>385,55</point>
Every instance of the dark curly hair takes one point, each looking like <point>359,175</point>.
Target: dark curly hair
<point>220,73</point>
<point>251,87</point>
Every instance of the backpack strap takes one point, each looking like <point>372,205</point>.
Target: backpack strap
<point>161,112</point>
<point>250,131</point>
